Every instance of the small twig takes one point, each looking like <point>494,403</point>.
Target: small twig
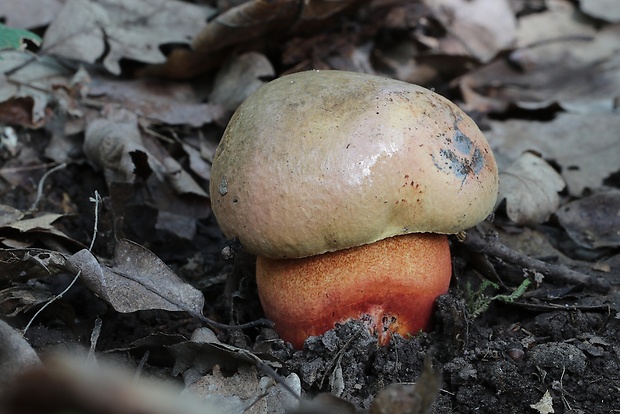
<point>42,183</point>
<point>491,245</point>
<point>254,324</point>
<point>258,363</point>
<point>96,200</point>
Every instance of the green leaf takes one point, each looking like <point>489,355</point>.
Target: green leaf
<point>12,38</point>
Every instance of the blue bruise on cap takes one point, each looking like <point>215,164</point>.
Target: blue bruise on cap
<point>462,158</point>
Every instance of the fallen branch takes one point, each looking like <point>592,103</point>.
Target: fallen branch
<point>491,245</point>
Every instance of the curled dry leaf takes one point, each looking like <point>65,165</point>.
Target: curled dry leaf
<point>239,24</point>
<point>29,228</point>
<point>16,355</point>
<point>9,215</point>
<point>239,78</point>
<point>479,28</point>
<point>29,14</point>
<point>116,145</point>
<point>530,187</point>
<point>26,87</point>
<point>558,22</point>
<point>409,398</point>
<point>88,31</point>
<point>545,405</point>
<point>594,221</point>
<point>20,299</point>
<point>584,163</point>
<point>174,103</point>
<point>202,359</point>
<point>606,10</point>
<point>245,391</point>
<point>138,280</point>
<point>109,143</point>
<point>95,388</point>
<point>587,81</point>
<point>204,351</point>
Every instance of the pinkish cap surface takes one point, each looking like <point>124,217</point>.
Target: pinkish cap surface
<point>326,160</point>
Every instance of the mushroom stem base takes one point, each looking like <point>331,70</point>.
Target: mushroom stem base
<point>391,285</point>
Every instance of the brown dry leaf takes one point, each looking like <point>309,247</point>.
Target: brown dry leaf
<point>238,78</point>
<point>409,398</point>
<point>16,355</point>
<point>594,221</point>
<point>587,80</point>
<point>110,142</point>
<point>236,25</point>
<point>9,215</point>
<point>244,390</point>
<point>586,147</point>
<point>88,31</point>
<point>27,86</point>
<point>238,393</point>
<point>560,21</point>
<point>544,405</point>
<point>20,299</point>
<point>530,187</point>
<point>240,24</point>
<point>31,262</point>
<point>478,28</point>
<point>173,103</point>
<point>326,403</point>
<point>29,228</point>
<point>116,145</point>
<point>95,388</point>
<point>19,264</point>
<point>606,10</point>
<point>204,351</point>
<point>138,280</point>
<point>29,14</point>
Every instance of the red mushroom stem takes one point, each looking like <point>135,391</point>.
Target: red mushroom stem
<point>391,284</point>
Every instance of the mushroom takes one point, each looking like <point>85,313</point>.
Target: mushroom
<point>345,186</point>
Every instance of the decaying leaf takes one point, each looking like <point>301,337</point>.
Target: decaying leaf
<point>16,233</point>
<point>14,38</point>
<point>30,263</point>
<point>586,81</point>
<point>606,10</point>
<point>16,355</point>
<point>479,28</point>
<point>240,77</point>
<point>29,14</point>
<point>26,86</point>
<point>244,391</point>
<point>88,30</point>
<point>169,103</point>
<point>19,299</point>
<point>202,359</point>
<point>530,187</point>
<point>95,388</point>
<point>138,280</point>
<point>594,221</point>
<point>561,21</point>
<point>239,24</point>
<point>9,215</point>
<point>204,351</point>
<point>116,145</point>
<point>586,147</point>
<point>409,398</point>
<point>545,405</point>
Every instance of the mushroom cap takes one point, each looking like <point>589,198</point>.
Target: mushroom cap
<point>321,161</point>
